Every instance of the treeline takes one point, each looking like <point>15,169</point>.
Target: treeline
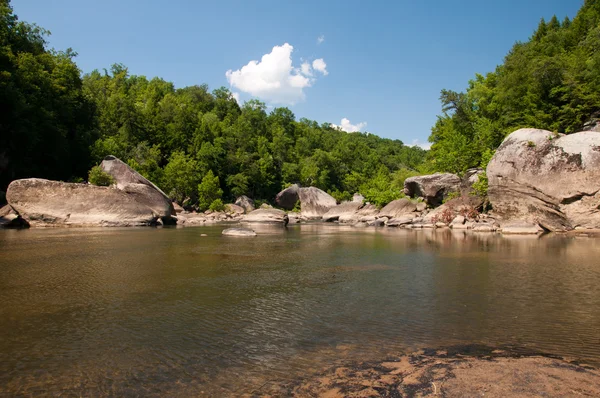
<point>60,124</point>
<point>550,82</point>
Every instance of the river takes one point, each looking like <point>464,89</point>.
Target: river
<point>166,311</point>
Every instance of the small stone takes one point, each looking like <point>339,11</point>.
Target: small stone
<point>238,232</point>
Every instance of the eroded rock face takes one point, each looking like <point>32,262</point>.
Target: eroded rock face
<point>287,198</point>
<point>548,179</point>
<point>267,215</point>
<point>314,203</point>
<point>246,203</point>
<point>50,203</point>
<point>343,209</point>
<point>434,188</point>
<point>144,191</point>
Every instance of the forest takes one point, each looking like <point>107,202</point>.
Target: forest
<point>197,144</point>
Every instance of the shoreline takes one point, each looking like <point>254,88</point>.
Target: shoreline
<point>456,371</point>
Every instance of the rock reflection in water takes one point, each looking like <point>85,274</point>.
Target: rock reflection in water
<point>166,311</point>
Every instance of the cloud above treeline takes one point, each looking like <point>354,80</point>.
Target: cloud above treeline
<point>419,143</point>
<point>348,127</point>
<point>275,79</point>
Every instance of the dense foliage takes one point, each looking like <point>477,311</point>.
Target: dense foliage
<point>60,124</point>
<point>47,123</point>
<point>550,82</point>
<point>176,137</point>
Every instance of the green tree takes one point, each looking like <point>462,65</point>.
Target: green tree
<point>181,177</point>
<point>209,191</point>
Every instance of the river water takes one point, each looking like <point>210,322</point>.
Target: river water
<point>145,311</point>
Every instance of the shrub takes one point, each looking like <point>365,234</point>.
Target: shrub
<point>209,191</point>
<point>469,212</point>
<point>217,205</point>
<point>340,196</point>
<point>447,216</point>
<point>297,207</point>
<point>480,187</point>
<point>99,177</point>
<point>450,196</point>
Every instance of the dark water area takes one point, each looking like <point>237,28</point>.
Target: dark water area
<point>129,312</point>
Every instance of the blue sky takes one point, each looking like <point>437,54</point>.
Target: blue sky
<point>380,64</point>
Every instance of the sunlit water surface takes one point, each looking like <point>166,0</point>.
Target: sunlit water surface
<point>130,312</point>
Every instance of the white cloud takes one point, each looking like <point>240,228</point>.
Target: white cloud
<point>348,127</point>
<point>305,69</point>
<point>320,65</point>
<point>274,78</point>
<point>236,96</point>
<point>424,145</point>
<point>320,39</point>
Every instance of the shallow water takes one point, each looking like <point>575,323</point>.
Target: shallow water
<point>168,312</point>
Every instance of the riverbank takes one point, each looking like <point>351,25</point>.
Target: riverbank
<point>463,371</point>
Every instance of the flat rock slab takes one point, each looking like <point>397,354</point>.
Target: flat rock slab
<point>238,232</point>
<point>445,373</point>
<point>521,229</point>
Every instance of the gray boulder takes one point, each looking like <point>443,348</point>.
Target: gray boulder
<point>46,203</point>
<point>246,203</point>
<point>287,198</point>
<point>266,216</point>
<point>399,222</point>
<point>548,179</point>
<point>137,186</point>
<point>358,198</point>
<point>315,202</point>
<point>398,208</point>
<point>238,232</point>
<point>347,209</point>
<point>434,188</point>
<point>234,209</point>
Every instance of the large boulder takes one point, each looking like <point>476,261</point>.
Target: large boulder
<point>267,215</point>
<point>246,203</point>
<point>315,202</point>
<point>434,188</point>
<point>287,198</point>
<point>138,186</point>
<point>548,179</point>
<point>48,203</point>
<point>397,208</point>
<point>367,212</point>
<point>343,209</point>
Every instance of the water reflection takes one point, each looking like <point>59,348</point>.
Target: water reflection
<point>159,311</point>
